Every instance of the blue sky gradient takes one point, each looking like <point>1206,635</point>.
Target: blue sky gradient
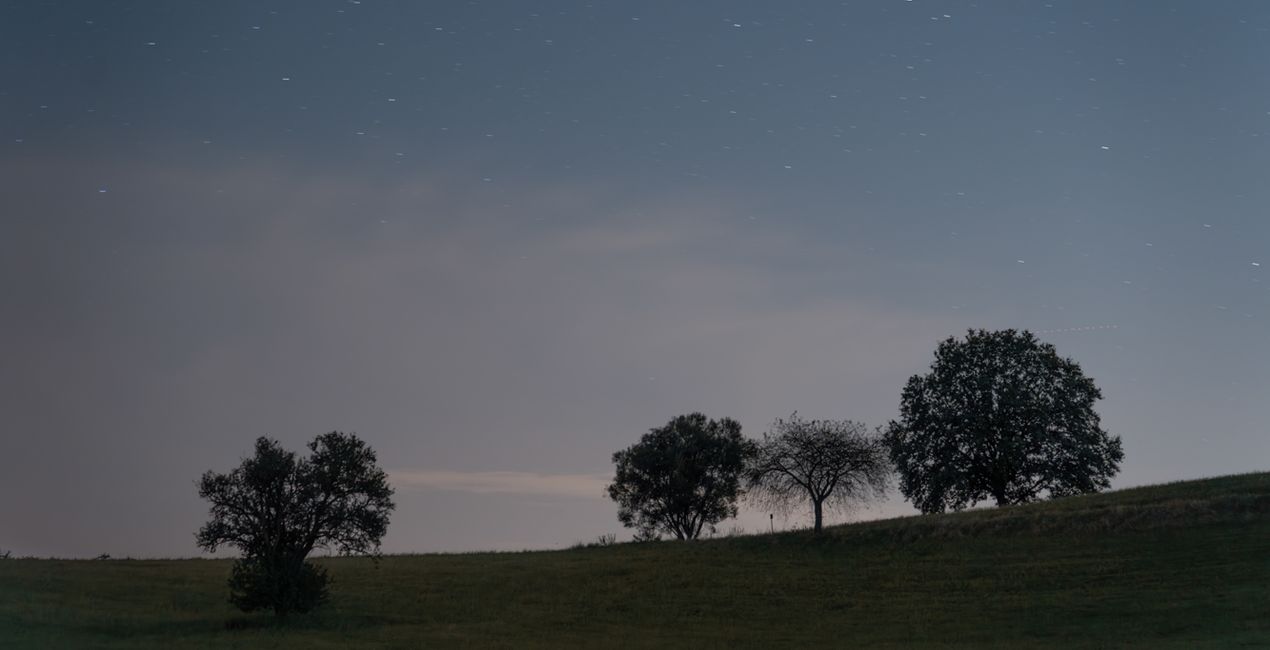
<point>500,242</point>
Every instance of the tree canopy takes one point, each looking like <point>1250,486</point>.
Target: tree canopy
<point>824,462</point>
<point>682,478</point>
<point>1000,415</point>
<point>276,508</point>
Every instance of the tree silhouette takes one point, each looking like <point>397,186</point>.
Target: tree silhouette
<point>827,462</point>
<point>277,508</point>
<point>1000,415</point>
<point>681,478</point>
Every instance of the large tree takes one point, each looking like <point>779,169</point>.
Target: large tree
<point>830,463</point>
<point>276,508</point>
<point>681,478</point>
<point>1000,415</point>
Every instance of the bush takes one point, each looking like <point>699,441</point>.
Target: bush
<point>256,584</point>
<point>607,539</point>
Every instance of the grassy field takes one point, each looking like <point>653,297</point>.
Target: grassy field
<point>1184,565</point>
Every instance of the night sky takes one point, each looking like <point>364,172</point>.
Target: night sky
<point>501,240</point>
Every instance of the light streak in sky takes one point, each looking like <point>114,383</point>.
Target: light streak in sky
<point>1084,328</point>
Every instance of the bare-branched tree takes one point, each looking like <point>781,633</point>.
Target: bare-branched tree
<point>829,463</point>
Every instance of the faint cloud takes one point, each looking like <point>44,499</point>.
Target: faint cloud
<point>524,483</point>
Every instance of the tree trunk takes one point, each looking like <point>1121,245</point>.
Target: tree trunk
<point>819,508</point>
<point>998,493</point>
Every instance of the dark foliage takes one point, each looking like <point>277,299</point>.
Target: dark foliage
<point>825,462</point>
<point>283,586</point>
<point>681,478</point>
<point>276,508</point>
<point>1001,416</point>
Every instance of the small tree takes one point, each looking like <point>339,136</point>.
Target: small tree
<point>827,462</point>
<point>1000,416</point>
<point>681,478</point>
<point>276,508</point>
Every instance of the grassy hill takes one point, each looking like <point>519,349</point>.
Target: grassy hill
<point>1183,565</point>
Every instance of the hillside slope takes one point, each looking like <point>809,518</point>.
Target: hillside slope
<point>1184,565</point>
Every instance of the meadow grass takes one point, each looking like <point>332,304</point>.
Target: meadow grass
<point>1184,565</point>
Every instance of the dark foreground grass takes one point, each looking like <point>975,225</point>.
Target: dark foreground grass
<point>1185,565</point>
